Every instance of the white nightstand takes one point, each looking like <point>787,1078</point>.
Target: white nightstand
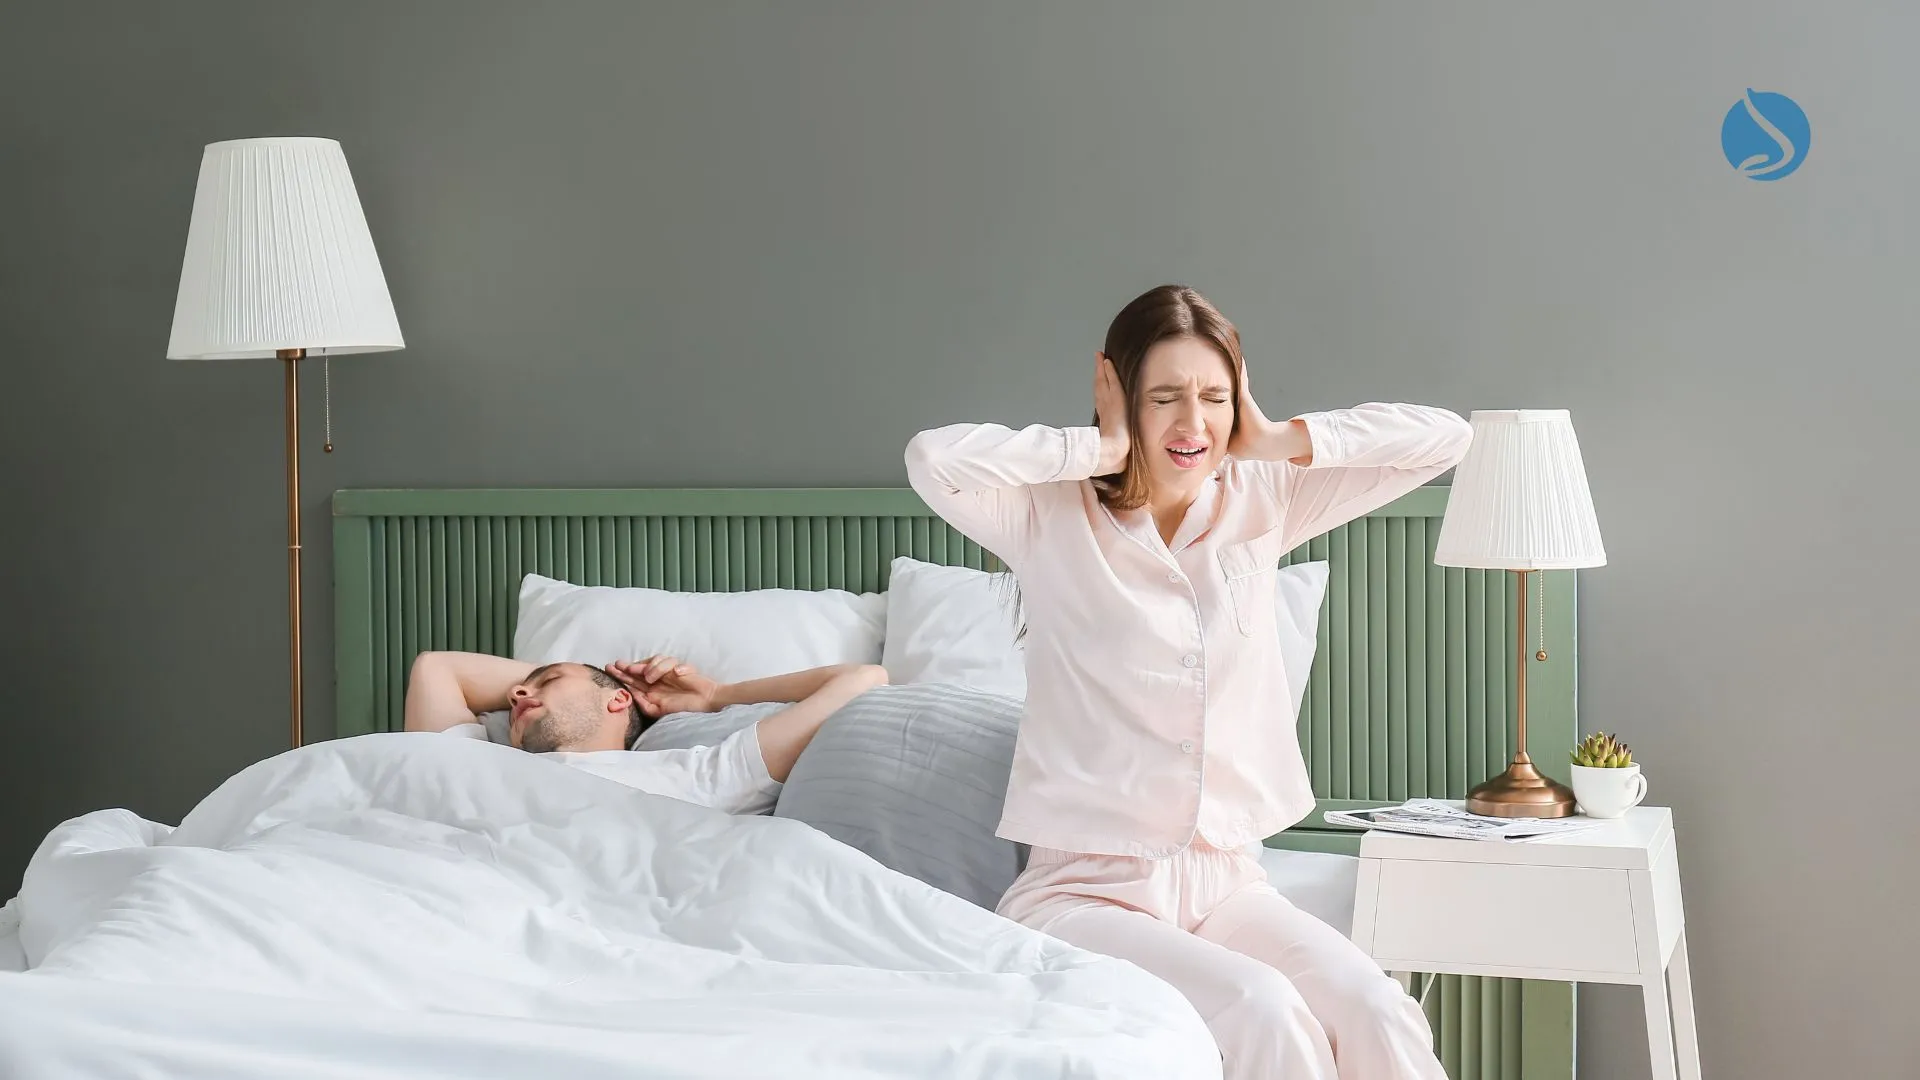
<point>1598,906</point>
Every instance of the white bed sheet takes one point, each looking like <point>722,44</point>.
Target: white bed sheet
<point>1319,884</point>
<point>12,957</point>
<point>409,905</point>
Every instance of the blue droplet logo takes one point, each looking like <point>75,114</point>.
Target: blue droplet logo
<point>1765,136</point>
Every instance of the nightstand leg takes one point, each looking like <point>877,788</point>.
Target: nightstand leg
<point>1680,990</point>
<point>1659,1026</point>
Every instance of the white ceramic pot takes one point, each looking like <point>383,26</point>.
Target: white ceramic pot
<point>1608,793</point>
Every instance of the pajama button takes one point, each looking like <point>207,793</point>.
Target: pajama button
<point>1186,746</point>
<point>1189,660</point>
<point>1174,577</point>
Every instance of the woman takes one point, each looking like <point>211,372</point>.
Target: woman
<point>1151,761</point>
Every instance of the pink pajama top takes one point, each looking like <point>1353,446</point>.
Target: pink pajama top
<point>1155,694</point>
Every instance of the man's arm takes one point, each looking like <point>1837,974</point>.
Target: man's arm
<point>664,685</point>
<point>446,689</point>
<point>817,693</point>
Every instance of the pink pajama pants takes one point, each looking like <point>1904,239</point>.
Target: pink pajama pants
<point>1286,996</point>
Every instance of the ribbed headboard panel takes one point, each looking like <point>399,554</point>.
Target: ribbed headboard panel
<point>1412,686</point>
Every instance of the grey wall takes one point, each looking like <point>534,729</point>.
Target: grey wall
<point>761,244</point>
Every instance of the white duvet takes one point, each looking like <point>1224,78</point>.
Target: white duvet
<point>412,905</point>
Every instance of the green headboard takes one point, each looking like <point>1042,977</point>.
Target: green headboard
<point>1411,694</point>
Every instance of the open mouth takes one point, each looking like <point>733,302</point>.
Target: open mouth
<point>1188,455</point>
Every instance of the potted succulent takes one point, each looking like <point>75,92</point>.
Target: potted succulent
<point>1606,780</point>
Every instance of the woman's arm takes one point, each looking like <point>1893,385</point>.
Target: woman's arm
<point>1328,468</point>
<point>446,689</point>
<point>979,477</point>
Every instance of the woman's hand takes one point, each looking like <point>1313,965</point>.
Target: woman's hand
<point>662,685</point>
<point>1260,439</point>
<point>1110,412</point>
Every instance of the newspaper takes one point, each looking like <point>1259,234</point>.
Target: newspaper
<point>1433,817</point>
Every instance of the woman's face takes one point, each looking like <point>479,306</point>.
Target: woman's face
<point>1186,414</point>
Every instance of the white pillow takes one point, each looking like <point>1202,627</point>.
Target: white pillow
<point>953,625</point>
<point>729,636</point>
<point>1321,884</point>
<point>1296,607</point>
<point>949,624</point>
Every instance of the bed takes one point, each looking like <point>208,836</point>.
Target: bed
<point>1410,693</point>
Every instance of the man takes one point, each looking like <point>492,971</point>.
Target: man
<point>587,717</point>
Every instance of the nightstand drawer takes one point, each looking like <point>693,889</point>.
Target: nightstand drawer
<point>1475,914</point>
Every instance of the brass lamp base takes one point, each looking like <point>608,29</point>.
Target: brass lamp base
<point>1521,792</point>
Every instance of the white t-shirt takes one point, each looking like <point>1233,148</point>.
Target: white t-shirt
<point>730,776</point>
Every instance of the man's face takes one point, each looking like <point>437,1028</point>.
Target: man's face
<point>561,707</point>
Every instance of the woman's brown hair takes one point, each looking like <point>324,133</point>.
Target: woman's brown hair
<point>1167,311</point>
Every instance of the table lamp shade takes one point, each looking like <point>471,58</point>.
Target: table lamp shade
<point>1519,499</point>
<point>279,257</point>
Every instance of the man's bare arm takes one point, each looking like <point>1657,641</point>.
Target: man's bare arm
<point>446,689</point>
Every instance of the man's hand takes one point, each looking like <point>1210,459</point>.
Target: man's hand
<point>662,685</point>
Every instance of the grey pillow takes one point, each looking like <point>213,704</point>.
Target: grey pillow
<point>915,776</point>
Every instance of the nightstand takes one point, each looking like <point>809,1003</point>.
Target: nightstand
<point>1598,906</point>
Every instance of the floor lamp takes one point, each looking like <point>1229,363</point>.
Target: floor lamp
<point>280,265</point>
<point>1520,503</point>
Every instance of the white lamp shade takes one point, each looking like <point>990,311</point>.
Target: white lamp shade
<point>279,257</point>
<point>1519,499</point>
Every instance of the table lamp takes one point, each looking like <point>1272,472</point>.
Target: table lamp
<point>279,264</point>
<point>1520,502</point>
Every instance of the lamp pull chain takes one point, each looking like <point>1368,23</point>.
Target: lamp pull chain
<point>1540,624</point>
<point>326,397</point>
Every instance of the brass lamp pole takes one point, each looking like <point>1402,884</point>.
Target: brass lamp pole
<point>292,358</point>
<point>1522,791</point>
